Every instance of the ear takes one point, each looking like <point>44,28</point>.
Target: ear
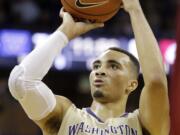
<point>132,85</point>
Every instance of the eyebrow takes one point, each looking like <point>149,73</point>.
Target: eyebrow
<point>109,61</point>
<point>96,62</point>
<point>114,62</point>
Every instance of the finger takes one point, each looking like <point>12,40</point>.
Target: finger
<point>96,25</point>
<point>65,15</point>
<point>90,26</point>
<point>68,16</point>
<point>61,13</point>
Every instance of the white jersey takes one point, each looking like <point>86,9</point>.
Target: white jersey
<point>85,122</point>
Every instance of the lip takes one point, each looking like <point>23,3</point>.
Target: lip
<point>98,82</point>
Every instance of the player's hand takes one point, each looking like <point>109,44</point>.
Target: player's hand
<point>72,28</point>
<point>131,5</point>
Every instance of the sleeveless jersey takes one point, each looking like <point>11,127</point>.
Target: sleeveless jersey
<point>85,122</point>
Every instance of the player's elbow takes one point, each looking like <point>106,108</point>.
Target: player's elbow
<point>15,82</point>
<point>163,128</point>
<point>157,81</point>
<point>158,91</point>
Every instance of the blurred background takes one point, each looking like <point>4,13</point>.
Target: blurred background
<point>24,24</point>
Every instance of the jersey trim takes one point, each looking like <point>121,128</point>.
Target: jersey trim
<point>88,110</point>
<point>93,114</point>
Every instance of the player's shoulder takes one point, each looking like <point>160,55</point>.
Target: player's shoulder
<point>52,122</point>
<point>63,103</point>
<point>133,113</point>
<point>74,112</point>
<point>132,116</point>
<point>63,100</point>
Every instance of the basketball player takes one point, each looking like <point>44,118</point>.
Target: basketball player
<point>113,78</point>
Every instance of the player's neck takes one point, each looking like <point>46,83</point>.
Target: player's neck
<point>108,110</point>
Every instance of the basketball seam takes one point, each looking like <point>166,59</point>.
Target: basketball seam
<point>90,14</point>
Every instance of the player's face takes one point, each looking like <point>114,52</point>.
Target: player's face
<point>110,76</point>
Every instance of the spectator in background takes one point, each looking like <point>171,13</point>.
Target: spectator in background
<point>26,10</point>
<point>2,12</point>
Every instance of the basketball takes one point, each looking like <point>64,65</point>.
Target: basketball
<point>93,10</point>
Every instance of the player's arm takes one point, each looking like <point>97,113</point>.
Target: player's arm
<point>25,81</point>
<point>52,122</point>
<point>154,104</point>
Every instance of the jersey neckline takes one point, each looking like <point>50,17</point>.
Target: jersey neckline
<point>88,110</point>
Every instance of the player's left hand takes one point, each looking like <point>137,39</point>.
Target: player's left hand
<point>72,28</point>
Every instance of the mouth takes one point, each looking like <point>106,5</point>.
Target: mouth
<point>98,82</point>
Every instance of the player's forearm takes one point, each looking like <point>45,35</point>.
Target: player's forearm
<point>39,61</point>
<point>147,47</point>
<point>25,83</point>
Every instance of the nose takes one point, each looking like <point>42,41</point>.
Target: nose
<point>100,72</point>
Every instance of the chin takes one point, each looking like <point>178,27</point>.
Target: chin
<point>99,96</point>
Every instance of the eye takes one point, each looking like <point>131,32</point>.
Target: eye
<point>114,66</point>
<point>96,66</point>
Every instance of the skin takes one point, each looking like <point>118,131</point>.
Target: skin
<point>114,70</point>
<point>110,96</point>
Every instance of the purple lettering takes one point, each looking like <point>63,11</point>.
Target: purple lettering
<point>102,132</point>
<point>106,131</point>
<point>133,131</point>
<point>95,130</point>
<point>81,125</point>
<point>113,130</point>
<point>120,127</point>
<point>87,130</point>
<point>72,129</point>
<point>127,130</point>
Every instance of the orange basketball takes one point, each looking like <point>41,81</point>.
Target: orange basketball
<point>93,10</point>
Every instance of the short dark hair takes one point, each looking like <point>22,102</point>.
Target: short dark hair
<point>132,58</point>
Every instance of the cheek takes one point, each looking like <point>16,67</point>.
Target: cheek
<point>118,87</point>
<point>91,76</point>
<point>118,81</point>
<point>116,78</point>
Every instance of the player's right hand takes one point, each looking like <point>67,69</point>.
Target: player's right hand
<point>131,5</point>
<point>74,29</point>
